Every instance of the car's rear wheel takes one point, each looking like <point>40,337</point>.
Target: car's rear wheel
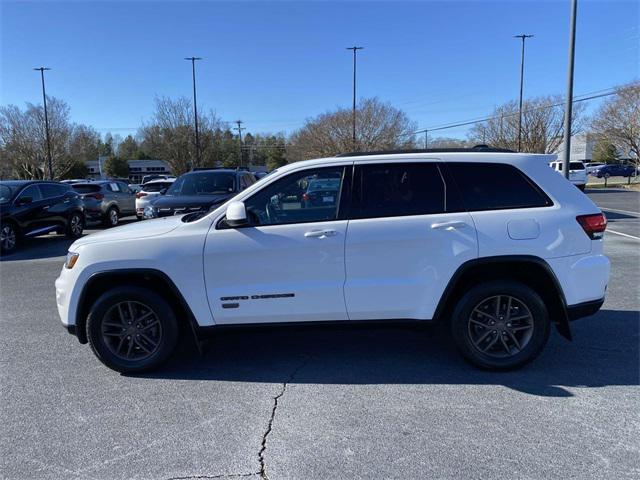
<point>112,217</point>
<point>500,325</point>
<point>8,237</point>
<point>75,225</point>
<point>132,329</point>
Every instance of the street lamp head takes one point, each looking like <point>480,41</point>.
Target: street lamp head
<point>40,69</point>
<point>193,58</point>
<point>523,36</point>
<point>354,48</point>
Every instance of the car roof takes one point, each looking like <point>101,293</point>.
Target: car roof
<point>19,183</point>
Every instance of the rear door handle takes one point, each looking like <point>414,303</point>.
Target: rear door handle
<point>320,233</point>
<point>448,225</point>
<point>46,207</point>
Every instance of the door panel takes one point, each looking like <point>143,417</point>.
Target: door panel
<point>276,273</point>
<point>398,267</point>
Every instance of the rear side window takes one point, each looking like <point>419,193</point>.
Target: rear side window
<point>397,189</point>
<point>51,190</point>
<point>496,186</point>
<point>576,166</point>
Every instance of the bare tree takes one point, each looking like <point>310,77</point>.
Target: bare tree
<point>23,140</point>
<point>617,121</point>
<point>542,125</point>
<point>380,126</point>
<point>170,135</point>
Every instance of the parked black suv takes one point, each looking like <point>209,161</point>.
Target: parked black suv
<point>31,208</point>
<point>199,190</point>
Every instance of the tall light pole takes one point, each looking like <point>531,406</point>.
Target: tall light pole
<point>353,115</point>
<point>195,106</point>
<point>569,106</point>
<point>523,37</point>
<point>240,128</point>
<point>46,122</point>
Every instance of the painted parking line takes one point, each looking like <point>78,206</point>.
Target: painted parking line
<point>628,212</point>
<point>622,234</point>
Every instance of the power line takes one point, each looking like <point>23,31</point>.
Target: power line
<point>486,119</point>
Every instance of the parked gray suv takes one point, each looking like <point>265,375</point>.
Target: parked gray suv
<point>106,200</point>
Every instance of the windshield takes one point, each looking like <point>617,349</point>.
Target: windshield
<point>324,184</point>
<point>204,183</point>
<point>6,193</point>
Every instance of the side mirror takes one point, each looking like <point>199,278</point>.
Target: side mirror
<point>163,191</point>
<point>236,215</point>
<point>24,201</point>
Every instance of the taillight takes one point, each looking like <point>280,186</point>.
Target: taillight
<point>141,194</point>
<point>97,196</point>
<point>593,225</point>
<point>305,197</point>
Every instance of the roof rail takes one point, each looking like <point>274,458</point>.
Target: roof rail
<point>476,148</point>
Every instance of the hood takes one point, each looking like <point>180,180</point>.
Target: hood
<point>147,228</point>
<point>189,201</point>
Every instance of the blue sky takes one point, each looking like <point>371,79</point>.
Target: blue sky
<point>273,64</point>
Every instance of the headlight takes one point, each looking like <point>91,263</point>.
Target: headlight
<point>72,258</point>
<point>150,211</point>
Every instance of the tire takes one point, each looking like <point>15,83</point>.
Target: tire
<point>9,237</point>
<point>126,344</point>
<point>112,217</point>
<point>75,226</point>
<point>473,339</point>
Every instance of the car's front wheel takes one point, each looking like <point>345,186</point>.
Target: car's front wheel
<point>132,329</point>
<point>8,237</point>
<point>500,325</point>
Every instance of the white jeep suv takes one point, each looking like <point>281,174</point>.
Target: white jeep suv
<point>496,245</point>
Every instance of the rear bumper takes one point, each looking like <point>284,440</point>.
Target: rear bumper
<point>585,309</point>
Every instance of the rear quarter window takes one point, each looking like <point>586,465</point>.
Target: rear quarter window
<point>496,186</point>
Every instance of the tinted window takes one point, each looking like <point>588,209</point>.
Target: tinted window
<point>576,166</point>
<point>495,186</point>
<point>31,191</point>
<point>84,188</point>
<point>124,188</point>
<point>288,200</point>
<point>51,190</point>
<point>156,187</point>
<point>392,190</point>
<point>5,193</point>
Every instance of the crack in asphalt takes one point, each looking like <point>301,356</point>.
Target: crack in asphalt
<point>224,475</point>
<point>263,445</point>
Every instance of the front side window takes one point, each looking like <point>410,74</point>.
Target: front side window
<point>496,186</point>
<point>32,191</point>
<point>51,190</point>
<point>398,189</point>
<point>301,197</point>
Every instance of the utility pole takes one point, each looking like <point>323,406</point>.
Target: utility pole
<point>353,137</point>
<point>426,138</point>
<point>46,122</point>
<point>195,106</point>
<point>523,37</point>
<point>239,128</point>
<point>569,106</point>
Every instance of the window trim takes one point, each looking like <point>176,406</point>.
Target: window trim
<point>357,196</point>
<point>534,185</point>
<point>344,200</point>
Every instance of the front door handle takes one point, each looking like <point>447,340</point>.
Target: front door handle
<point>448,225</point>
<point>46,207</point>
<point>320,233</point>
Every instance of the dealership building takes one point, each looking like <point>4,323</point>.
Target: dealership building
<point>137,168</point>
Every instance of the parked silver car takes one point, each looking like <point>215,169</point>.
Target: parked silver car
<point>106,200</point>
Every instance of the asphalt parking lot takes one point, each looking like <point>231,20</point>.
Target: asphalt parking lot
<point>356,403</point>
